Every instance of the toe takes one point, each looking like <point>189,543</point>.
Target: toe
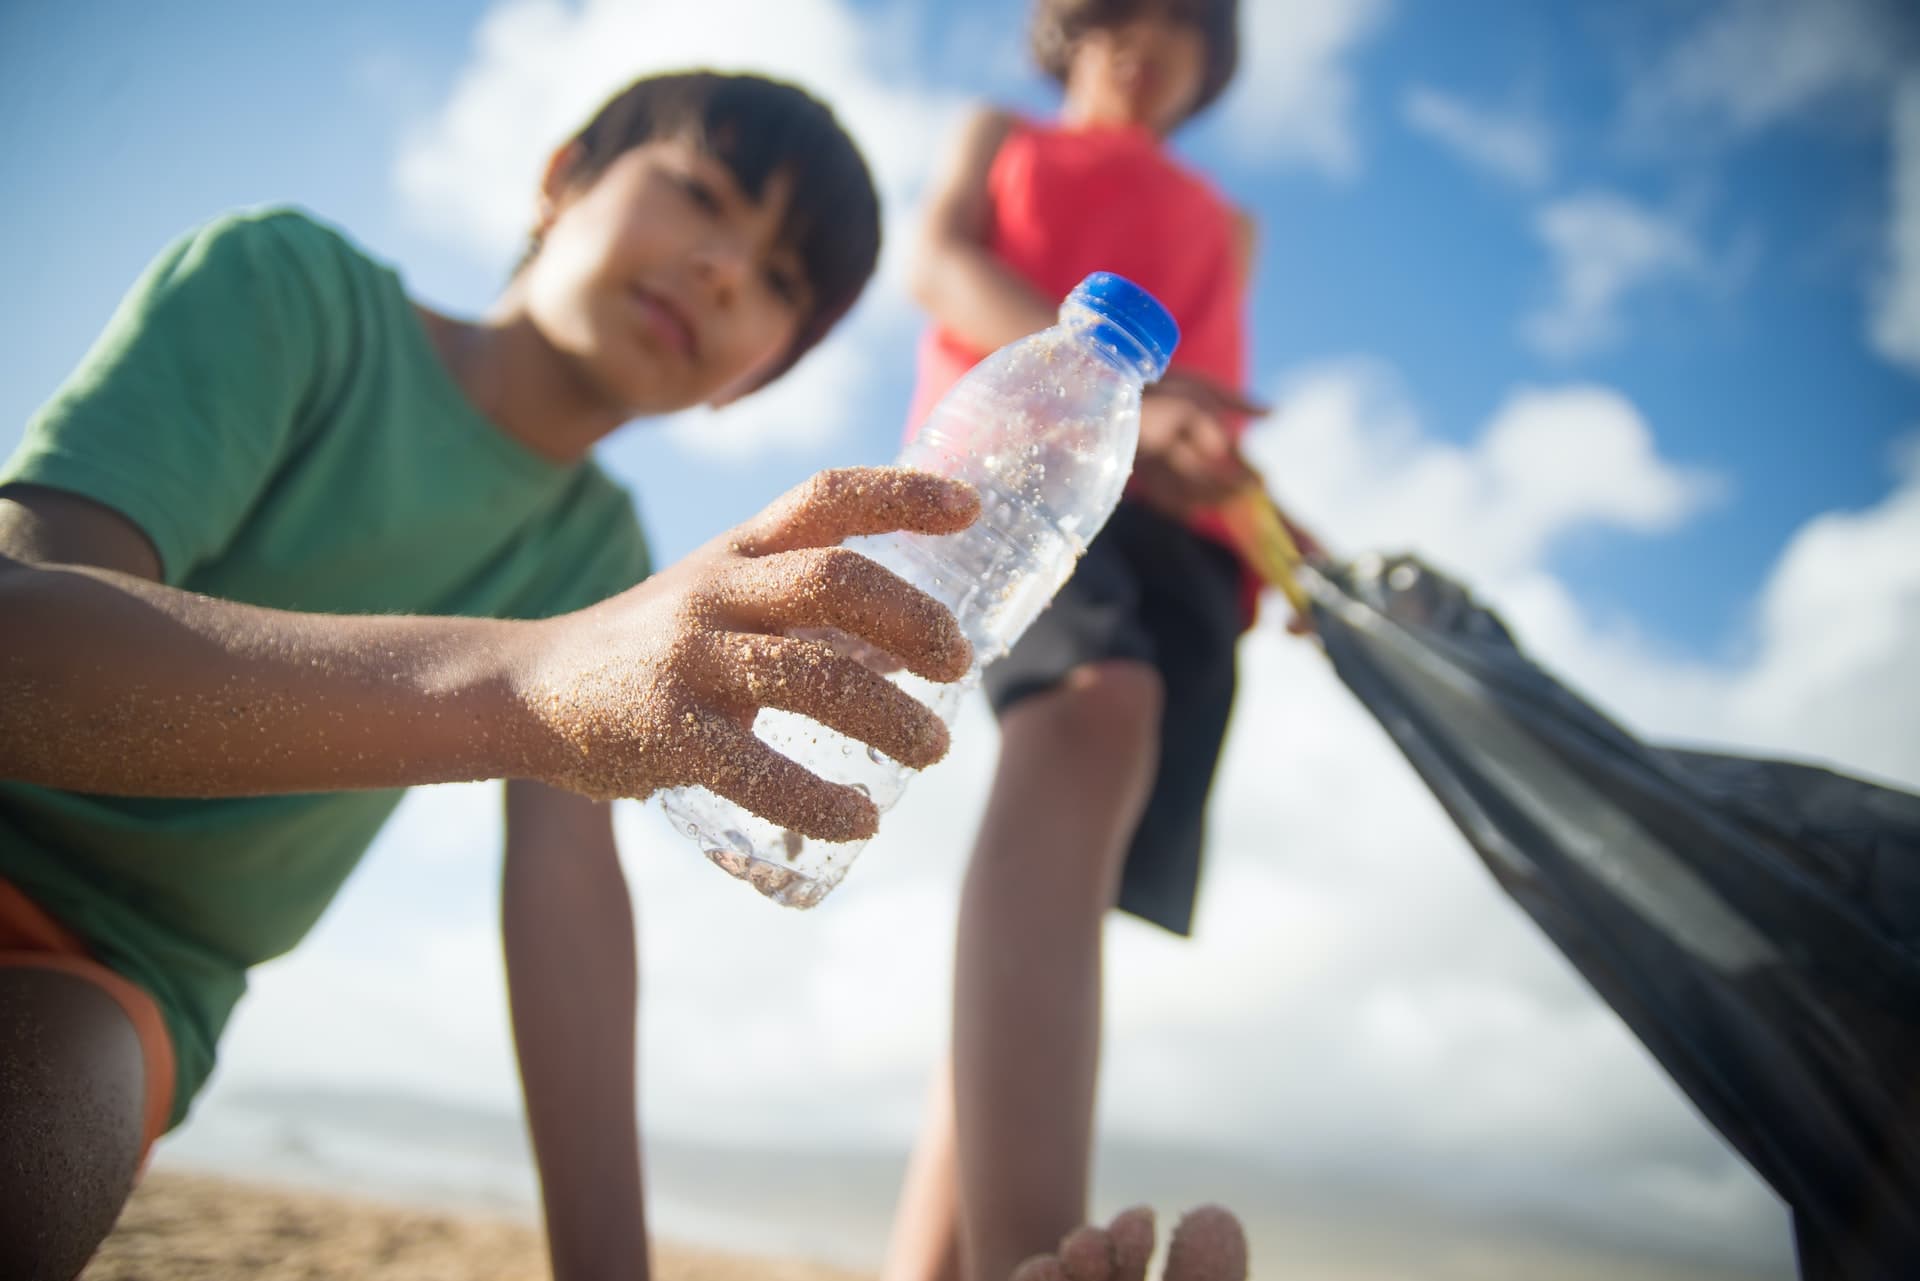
<point>1132,1235</point>
<point>1087,1255</point>
<point>1041,1267</point>
<point>1208,1245</point>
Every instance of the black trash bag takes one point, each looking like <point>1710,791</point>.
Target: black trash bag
<point>1756,923</point>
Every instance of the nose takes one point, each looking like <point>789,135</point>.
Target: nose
<point>722,263</point>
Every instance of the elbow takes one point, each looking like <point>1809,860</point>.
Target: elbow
<point>920,280</point>
<point>926,271</point>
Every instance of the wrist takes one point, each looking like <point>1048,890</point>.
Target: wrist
<point>481,685</point>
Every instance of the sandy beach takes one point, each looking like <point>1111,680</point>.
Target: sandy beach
<point>185,1225</point>
<point>197,1227</point>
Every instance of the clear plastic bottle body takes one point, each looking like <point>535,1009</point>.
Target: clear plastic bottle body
<point>1046,430</point>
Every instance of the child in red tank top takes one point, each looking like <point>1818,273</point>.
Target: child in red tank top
<point>1114,705</point>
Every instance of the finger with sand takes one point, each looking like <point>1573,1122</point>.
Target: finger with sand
<point>834,506</point>
<point>808,678</point>
<point>842,590</point>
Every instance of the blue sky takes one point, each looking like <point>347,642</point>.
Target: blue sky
<point>1614,308</point>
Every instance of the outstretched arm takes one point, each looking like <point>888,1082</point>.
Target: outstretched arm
<point>115,683</point>
<point>567,924</point>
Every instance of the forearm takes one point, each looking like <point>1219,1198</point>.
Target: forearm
<point>572,979</point>
<point>119,685</point>
<point>976,297</point>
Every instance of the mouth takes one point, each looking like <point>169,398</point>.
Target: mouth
<point>666,321</point>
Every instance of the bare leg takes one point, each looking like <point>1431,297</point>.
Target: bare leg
<point>72,1100</point>
<point>1208,1245</point>
<point>1075,767</point>
<point>925,1245</point>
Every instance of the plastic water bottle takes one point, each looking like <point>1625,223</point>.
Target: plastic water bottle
<point>1045,429</point>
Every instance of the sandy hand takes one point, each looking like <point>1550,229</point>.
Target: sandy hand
<point>658,687</point>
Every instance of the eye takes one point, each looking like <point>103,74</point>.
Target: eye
<point>785,284</point>
<point>699,192</point>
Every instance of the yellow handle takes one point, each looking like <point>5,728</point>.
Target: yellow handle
<point>1262,537</point>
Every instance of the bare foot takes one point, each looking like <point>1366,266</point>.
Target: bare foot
<point>1208,1245</point>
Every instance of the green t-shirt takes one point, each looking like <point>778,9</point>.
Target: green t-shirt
<point>268,408</point>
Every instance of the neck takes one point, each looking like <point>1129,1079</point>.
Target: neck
<point>1079,113</point>
<point>509,372</point>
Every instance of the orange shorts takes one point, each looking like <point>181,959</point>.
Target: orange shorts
<point>29,937</point>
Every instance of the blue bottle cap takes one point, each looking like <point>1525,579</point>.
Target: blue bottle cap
<point>1130,311</point>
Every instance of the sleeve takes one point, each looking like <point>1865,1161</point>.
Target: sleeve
<point>183,408</point>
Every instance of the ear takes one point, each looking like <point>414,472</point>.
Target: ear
<point>556,186</point>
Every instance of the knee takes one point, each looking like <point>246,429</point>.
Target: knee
<point>72,1093</point>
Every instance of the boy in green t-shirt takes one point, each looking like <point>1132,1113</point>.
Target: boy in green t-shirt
<point>287,542</point>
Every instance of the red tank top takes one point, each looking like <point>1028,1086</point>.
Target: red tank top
<point>1067,202</point>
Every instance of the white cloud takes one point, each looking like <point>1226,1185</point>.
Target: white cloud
<point>540,68</point>
<point>1514,147</point>
<point>1838,624</point>
<point>1292,102</point>
<point>1351,454</point>
<point>1604,247</point>
<point>1751,64</point>
<point>1895,322</point>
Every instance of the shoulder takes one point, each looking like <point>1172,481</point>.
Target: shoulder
<point>989,120</point>
<point>959,196</point>
<point>275,255</point>
<point>1203,184</point>
<point>983,130</point>
<point>1241,224</point>
<point>271,232</point>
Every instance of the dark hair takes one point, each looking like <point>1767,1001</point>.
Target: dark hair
<point>758,128</point>
<point>1059,24</point>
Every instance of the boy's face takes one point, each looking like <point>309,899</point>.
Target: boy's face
<point>664,283</point>
<point>1148,70</point>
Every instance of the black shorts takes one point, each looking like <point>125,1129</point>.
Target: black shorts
<point>1148,589</point>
